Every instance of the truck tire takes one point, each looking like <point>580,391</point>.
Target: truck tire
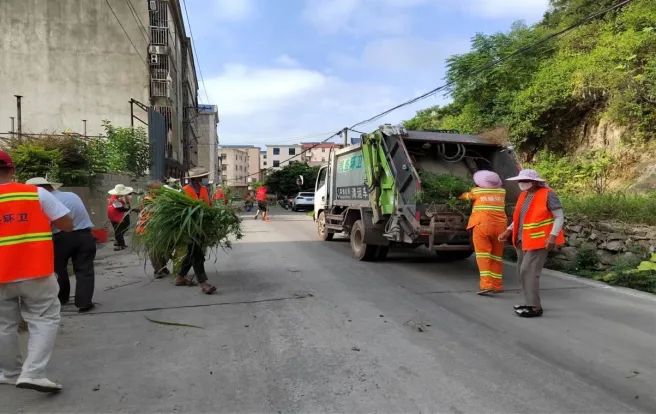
<point>452,256</point>
<point>322,231</point>
<point>361,250</point>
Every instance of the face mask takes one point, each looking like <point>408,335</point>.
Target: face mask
<point>205,181</point>
<point>525,186</point>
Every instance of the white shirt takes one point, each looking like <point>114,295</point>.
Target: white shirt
<point>52,207</point>
<point>73,202</point>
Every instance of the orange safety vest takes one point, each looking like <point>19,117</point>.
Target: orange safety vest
<point>538,222</point>
<point>489,206</point>
<point>26,247</point>
<point>204,195</point>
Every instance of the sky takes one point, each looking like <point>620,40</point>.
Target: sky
<point>285,71</point>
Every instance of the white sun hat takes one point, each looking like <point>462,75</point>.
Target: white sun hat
<point>198,172</point>
<point>527,175</point>
<point>121,190</point>
<point>43,181</point>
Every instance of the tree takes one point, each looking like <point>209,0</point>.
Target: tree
<point>127,150</point>
<point>283,181</point>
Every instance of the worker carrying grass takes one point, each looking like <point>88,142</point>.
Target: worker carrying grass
<point>487,221</point>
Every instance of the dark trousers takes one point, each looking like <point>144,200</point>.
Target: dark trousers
<point>195,258</point>
<point>120,229</point>
<point>80,246</point>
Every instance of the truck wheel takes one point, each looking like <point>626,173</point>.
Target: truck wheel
<point>322,231</point>
<point>451,256</point>
<point>361,250</point>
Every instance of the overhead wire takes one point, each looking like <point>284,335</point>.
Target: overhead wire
<point>126,33</point>
<point>135,15</point>
<point>476,72</point>
<point>193,46</point>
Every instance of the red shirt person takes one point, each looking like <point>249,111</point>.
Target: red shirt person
<point>118,213</point>
<point>261,198</point>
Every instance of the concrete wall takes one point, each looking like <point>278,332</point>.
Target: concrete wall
<point>206,124</point>
<point>283,155</point>
<point>71,61</point>
<point>95,198</point>
<point>234,166</point>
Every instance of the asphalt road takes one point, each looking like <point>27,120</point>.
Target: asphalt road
<point>299,326</point>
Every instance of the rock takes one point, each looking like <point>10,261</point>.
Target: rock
<point>615,236</point>
<point>606,226</point>
<point>647,181</point>
<point>574,241</point>
<point>614,246</point>
<point>568,253</point>
<point>594,235</point>
<point>575,229</point>
<point>606,258</point>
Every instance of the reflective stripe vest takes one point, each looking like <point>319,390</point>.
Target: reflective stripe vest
<point>204,195</point>
<point>26,248</point>
<point>489,205</point>
<point>538,222</point>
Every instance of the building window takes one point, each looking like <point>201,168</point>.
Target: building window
<point>265,163</point>
<point>264,156</point>
<point>323,150</point>
<point>236,168</point>
<point>276,163</point>
<point>224,167</point>
<point>323,159</point>
<point>276,151</point>
<point>292,151</point>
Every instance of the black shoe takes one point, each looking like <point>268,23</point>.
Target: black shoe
<point>86,308</point>
<point>518,307</point>
<point>529,312</point>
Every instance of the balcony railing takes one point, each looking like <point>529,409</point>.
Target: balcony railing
<point>160,88</point>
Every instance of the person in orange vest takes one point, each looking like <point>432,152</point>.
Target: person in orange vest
<point>220,195</point>
<point>537,228</point>
<point>28,286</point>
<point>158,263</point>
<point>195,256</point>
<point>487,221</point>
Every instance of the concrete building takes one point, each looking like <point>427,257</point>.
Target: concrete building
<point>253,170</point>
<point>79,62</point>
<point>278,156</point>
<point>208,140</point>
<point>263,162</point>
<point>317,153</point>
<point>234,166</point>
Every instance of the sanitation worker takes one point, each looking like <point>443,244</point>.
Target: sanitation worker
<point>158,263</point>
<point>195,256</point>
<point>487,222</point>
<point>536,229</point>
<point>28,286</point>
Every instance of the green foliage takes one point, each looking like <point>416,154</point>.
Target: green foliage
<point>586,258</point>
<point>33,160</point>
<point>629,208</point>
<point>444,189</point>
<point>605,68</point>
<point>644,280</point>
<point>283,181</point>
<point>175,221</point>
<point>127,150</point>
<point>582,174</point>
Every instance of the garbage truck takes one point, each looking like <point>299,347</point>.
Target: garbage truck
<point>369,191</point>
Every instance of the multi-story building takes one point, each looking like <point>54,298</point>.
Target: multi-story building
<point>316,153</point>
<point>253,170</point>
<point>234,166</point>
<point>263,162</point>
<point>100,60</point>
<point>278,156</point>
<point>208,140</point>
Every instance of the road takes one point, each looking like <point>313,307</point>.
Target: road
<point>299,326</point>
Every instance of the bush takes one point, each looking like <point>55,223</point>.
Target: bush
<point>644,280</point>
<point>33,160</point>
<point>629,208</point>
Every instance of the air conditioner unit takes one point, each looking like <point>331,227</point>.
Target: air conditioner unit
<point>152,5</point>
<point>154,59</point>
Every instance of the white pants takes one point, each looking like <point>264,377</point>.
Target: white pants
<point>39,306</point>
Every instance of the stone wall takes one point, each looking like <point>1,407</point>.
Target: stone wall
<point>611,242</point>
<point>95,197</point>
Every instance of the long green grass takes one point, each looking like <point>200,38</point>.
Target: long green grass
<point>629,208</point>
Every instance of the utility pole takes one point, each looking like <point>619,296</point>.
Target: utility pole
<point>18,115</point>
<point>345,134</point>
<point>85,127</point>
<point>131,113</point>
<point>12,126</point>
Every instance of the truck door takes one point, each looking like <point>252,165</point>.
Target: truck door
<point>320,191</point>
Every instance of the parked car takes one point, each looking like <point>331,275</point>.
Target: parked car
<point>303,201</point>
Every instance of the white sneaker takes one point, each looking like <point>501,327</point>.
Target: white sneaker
<point>38,384</point>
<point>8,380</point>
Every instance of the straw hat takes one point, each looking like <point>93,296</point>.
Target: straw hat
<point>527,175</point>
<point>198,172</point>
<point>43,181</point>
<point>121,190</point>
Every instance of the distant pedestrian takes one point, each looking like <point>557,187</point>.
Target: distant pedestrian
<point>28,287</point>
<point>487,221</point>
<point>195,256</point>
<point>261,197</point>
<point>78,246</point>
<point>118,212</point>
<point>536,229</point>
<point>220,196</point>
<point>158,263</point>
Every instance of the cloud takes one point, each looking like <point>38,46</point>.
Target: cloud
<point>256,103</point>
<point>233,10</point>
<point>529,10</point>
<point>286,60</point>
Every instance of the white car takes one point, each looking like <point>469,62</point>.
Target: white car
<point>303,201</point>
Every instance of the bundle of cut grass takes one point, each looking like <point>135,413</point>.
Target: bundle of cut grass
<point>176,221</point>
<point>444,189</point>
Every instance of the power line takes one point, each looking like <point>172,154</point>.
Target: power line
<point>126,33</point>
<point>193,46</point>
<point>474,73</point>
<point>135,15</point>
